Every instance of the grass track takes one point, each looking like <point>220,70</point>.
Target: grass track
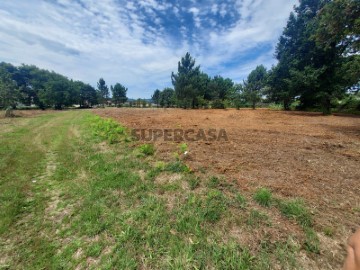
<point>70,200</point>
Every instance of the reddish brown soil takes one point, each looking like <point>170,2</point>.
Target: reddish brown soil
<point>295,154</point>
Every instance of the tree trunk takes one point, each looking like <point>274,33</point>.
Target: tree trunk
<point>254,105</point>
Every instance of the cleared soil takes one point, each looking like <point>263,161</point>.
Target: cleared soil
<point>295,154</point>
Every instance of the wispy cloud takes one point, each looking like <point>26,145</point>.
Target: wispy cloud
<point>139,43</point>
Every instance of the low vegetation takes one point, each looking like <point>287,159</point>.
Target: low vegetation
<point>80,202</point>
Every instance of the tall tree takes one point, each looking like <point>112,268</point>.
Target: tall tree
<point>254,85</point>
<point>187,82</point>
<point>103,91</point>
<point>156,97</point>
<point>167,97</point>
<point>9,93</point>
<point>312,63</point>
<point>119,94</point>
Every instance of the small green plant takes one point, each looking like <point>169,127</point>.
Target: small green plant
<point>213,182</point>
<point>147,149</point>
<point>94,250</point>
<point>263,197</point>
<point>193,182</point>
<point>257,218</point>
<point>296,210</point>
<point>240,201</point>
<point>328,231</point>
<point>312,243</point>
<point>107,129</point>
<point>183,148</point>
<point>215,205</point>
<point>177,167</point>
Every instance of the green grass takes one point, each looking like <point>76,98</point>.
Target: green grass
<point>295,209</point>
<point>100,206</point>
<point>263,197</point>
<point>147,149</point>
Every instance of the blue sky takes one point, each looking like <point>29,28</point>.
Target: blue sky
<point>139,43</point>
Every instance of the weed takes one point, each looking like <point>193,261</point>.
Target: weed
<point>240,201</point>
<point>177,167</point>
<point>215,205</point>
<point>312,243</point>
<point>183,148</point>
<point>257,218</point>
<point>296,210</point>
<point>193,182</point>
<point>147,149</point>
<point>328,231</point>
<point>94,250</point>
<point>107,129</point>
<point>213,182</point>
<point>263,197</point>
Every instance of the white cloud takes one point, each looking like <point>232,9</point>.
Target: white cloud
<point>92,39</point>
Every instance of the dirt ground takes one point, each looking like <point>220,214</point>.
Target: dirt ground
<point>295,154</point>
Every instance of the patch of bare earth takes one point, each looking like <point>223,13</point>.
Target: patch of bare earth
<point>295,154</point>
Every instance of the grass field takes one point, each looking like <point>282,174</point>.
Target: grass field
<point>77,193</point>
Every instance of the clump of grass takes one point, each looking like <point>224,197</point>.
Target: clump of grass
<point>328,231</point>
<point>94,250</point>
<point>213,182</point>
<point>256,218</point>
<point>147,149</point>
<point>107,129</point>
<point>183,147</point>
<point>215,205</point>
<point>312,243</point>
<point>193,182</point>
<point>177,167</point>
<point>296,210</point>
<point>240,200</point>
<point>263,196</point>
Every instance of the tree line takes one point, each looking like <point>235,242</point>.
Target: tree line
<point>29,85</point>
<point>318,66</point>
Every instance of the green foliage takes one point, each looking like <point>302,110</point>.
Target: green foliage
<point>240,201</point>
<point>213,182</point>
<point>31,85</point>
<point>215,205</point>
<point>263,196</point>
<point>312,243</point>
<point>254,85</point>
<point>156,97</point>
<point>193,182</point>
<point>103,90</point>
<point>317,54</point>
<point>177,167</point>
<point>296,210</point>
<point>147,149</point>
<point>183,148</point>
<point>107,129</point>
<point>9,92</point>
<point>119,94</point>
<point>256,219</point>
